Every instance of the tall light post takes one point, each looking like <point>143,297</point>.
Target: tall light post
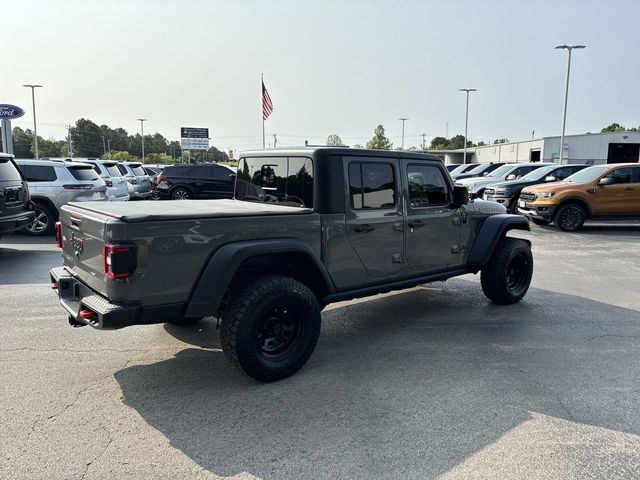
<point>466,121</point>
<point>403,119</point>
<point>142,120</point>
<point>35,125</point>
<point>569,48</point>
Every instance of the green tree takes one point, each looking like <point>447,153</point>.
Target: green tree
<point>22,143</point>
<point>159,158</point>
<point>379,141</point>
<point>334,140</point>
<point>51,147</point>
<point>614,127</point>
<point>216,155</point>
<point>439,143</point>
<point>500,140</point>
<point>121,155</point>
<point>86,137</point>
<point>457,142</point>
<point>480,144</point>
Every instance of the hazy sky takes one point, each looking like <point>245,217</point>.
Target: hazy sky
<point>330,66</point>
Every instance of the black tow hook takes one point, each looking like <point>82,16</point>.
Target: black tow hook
<point>75,323</point>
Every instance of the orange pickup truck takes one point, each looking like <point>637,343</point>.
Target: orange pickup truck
<point>605,192</point>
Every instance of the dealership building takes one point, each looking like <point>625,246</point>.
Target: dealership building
<point>591,148</point>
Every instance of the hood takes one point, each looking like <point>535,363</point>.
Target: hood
<point>554,187</point>
<point>512,184</point>
<point>483,207</point>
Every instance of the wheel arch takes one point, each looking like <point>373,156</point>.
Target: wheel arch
<point>46,201</point>
<point>565,201</point>
<point>489,234</point>
<point>180,185</point>
<point>233,263</point>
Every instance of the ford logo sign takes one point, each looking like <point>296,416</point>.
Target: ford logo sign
<point>8,112</point>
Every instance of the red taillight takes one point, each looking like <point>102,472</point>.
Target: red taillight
<point>119,261</point>
<point>58,234</point>
<point>78,186</point>
<point>132,181</point>
<point>159,178</point>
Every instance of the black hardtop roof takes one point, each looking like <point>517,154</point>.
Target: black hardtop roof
<point>325,151</point>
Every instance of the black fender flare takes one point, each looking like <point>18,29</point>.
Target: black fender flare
<point>490,233</point>
<point>216,276</point>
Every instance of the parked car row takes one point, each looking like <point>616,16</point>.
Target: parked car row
<point>566,195</point>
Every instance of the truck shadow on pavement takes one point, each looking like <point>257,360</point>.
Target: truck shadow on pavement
<point>404,386</point>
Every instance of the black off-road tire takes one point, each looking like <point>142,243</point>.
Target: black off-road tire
<point>181,193</point>
<point>256,329</point>
<point>507,276</point>
<point>540,221</point>
<point>44,215</point>
<point>570,217</point>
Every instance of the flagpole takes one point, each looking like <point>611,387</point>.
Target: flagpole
<point>262,104</point>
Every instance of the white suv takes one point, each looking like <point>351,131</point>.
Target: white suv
<point>52,183</point>
<point>117,185</point>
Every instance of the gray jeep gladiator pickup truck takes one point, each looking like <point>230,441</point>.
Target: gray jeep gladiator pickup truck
<point>307,227</point>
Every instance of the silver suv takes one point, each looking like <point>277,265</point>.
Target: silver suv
<point>137,178</point>
<point>53,183</point>
<point>117,185</point>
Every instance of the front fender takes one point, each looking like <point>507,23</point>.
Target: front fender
<point>489,235</point>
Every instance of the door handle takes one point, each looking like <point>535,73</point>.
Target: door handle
<point>366,228</point>
<point>416,224</point>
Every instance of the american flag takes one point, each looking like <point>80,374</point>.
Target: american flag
<point>267,106</point>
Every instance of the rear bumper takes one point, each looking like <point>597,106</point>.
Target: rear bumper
<point>15,222</point>
<point>76,297</point>
<point>140,195</point>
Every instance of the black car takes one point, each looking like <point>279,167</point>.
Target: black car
<point>507,193</point>
<point>16,211</point>
<point>184,182</point>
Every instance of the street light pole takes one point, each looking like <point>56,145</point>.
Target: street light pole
<point>35,125</point>
<point>466,121</point>
<point>569,48</point>
<point>403,119</point>
<point>142,120</point>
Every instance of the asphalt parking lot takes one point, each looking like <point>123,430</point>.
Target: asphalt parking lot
<point>431,382</point>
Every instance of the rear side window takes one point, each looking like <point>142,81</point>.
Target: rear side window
<point>139,171</point>
<point>283,180</point>
<point>113,170</point>
<point>83,173</point>
<point>122,168</point>
<point>8,171</point>
<point>371,185</point>
<point>221,173</point>
<point>176,171</point>
<point>39,173</point>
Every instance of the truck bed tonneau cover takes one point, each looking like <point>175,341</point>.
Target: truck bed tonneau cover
<point>134,212</point>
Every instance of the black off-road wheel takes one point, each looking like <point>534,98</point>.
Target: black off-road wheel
<point>570,217</point>
<point>271,327</point>
<point>507,276</point>
<point>181,193</point>
<point>43,223</point>
<point>540,221</point>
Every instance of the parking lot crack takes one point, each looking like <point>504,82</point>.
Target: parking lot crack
<point>103,450</point>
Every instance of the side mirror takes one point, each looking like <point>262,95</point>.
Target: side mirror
<point>460,196</point>
<point>606,181</point>
<point>550,178</point>
<point>511,177</point>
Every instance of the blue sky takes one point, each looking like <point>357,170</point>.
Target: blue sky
<point>330,66</point>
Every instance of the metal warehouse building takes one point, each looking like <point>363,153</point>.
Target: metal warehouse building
<point>592,148</point>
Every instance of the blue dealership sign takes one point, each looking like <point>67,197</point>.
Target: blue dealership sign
<point>9,112</point>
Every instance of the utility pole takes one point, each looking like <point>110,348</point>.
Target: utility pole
<point>275,141</point>
<point>403,119</point>
<point>104,146</point>
<point>466,121</point>
<point>35,124</point>
<point>142,120</point>
<point>446,130</point>
<point>569,48</point>
<point>424,141</point>
<point>69,149</point>
<point>109,146</point>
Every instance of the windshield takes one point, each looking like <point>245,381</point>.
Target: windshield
<point>537,174</point>
<point>460,169</point>
<point>499,172</point>
<point>479,168</point>
<point>586,175</point>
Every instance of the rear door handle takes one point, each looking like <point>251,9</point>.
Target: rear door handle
<point>416,224</point>
<point>365,228</point>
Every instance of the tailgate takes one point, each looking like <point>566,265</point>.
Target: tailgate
<point>82,240</point>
